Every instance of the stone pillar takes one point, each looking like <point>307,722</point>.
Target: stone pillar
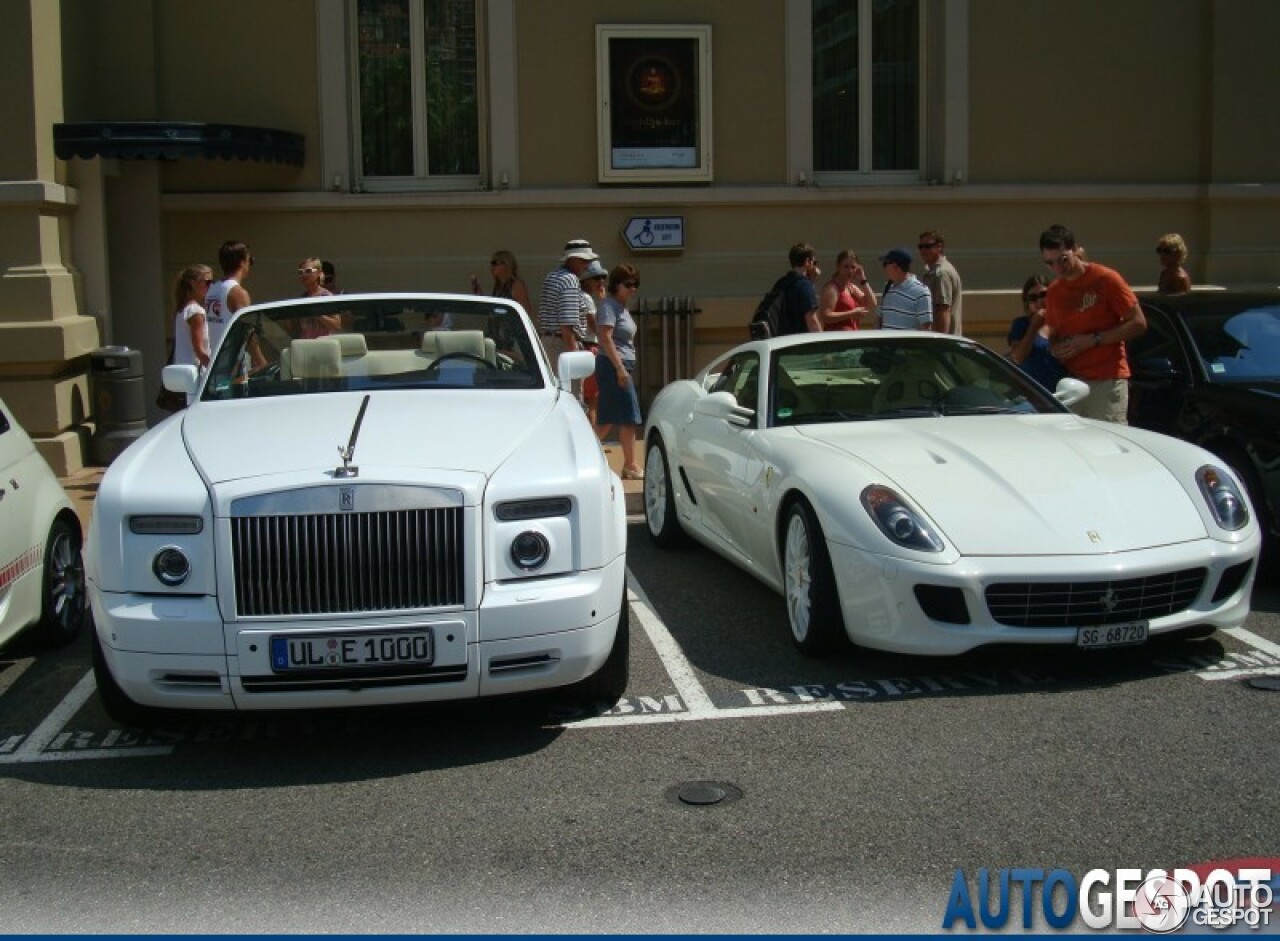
<point>44,338</point>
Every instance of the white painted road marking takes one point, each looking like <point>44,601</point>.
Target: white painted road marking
<point>33,748</point>
<point>691,703</point>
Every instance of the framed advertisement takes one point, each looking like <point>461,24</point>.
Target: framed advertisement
<point>653,88</point>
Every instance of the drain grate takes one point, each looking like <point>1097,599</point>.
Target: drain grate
<point>703,793</point>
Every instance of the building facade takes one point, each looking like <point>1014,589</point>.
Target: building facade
<point>406,140</point>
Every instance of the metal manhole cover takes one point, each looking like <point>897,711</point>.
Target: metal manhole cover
<point>1269,683</point>
<point>703,793</point>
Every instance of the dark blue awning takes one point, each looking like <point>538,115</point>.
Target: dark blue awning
<point>175,140</point>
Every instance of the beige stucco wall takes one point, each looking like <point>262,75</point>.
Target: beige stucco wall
<point>1122,120</point>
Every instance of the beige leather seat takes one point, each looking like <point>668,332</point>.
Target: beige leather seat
<point>911,382</point>
<point>439,342</point>
<point>320,358</point>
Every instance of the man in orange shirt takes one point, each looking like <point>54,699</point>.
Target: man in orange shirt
<point>1090,312</point>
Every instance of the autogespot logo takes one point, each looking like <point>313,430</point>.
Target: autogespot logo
<point>1237,894</point>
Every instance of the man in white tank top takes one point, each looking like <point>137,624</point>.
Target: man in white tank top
<point>227,296</point>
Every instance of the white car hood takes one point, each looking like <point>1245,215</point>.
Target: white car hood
<point>1043,485</point>
<point>467,432</point>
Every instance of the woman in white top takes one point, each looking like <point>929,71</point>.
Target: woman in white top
<point>190,331</point>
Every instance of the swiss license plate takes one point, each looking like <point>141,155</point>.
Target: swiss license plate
<point>291,652</point>
<point>1112,635</point>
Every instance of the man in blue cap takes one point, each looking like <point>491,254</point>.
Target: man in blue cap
<point>906,303</point>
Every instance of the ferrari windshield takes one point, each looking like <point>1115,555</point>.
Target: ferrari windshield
<point>371,342</point>
<point>878,378</point>
<point>1238,345</point>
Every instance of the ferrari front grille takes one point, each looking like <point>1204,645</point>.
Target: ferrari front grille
<point>1087,604</point>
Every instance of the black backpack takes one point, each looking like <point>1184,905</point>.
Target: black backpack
<point>770,318</point>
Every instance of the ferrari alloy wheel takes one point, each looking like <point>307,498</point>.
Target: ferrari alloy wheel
<point>659,498</point>
<point>813,606</point>
<point>63,607</point>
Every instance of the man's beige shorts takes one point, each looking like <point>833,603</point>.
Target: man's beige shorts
<point>1108,400</point>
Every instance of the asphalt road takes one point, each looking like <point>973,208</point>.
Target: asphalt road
<point>850,790</point>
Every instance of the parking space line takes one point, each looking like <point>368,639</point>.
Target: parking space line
<point>32,749</point>
<point>698,705</point>
<point>1253,640</point>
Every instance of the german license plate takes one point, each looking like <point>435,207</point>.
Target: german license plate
<point>1112,635</point>
<point>291,652</point>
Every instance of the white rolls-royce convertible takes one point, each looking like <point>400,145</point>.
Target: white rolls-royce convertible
<point>370,499</point>
<point>917,493</point>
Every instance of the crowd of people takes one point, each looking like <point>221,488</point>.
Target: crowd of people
<point>1073,322</point>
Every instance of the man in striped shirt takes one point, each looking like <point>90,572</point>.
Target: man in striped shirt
<point>906,303</point>
<point>560,318</point>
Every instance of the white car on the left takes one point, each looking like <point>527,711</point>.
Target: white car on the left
<point>371,499</point>
<point>41,573</point>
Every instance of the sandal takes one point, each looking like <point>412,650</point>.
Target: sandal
<point>632,473</point>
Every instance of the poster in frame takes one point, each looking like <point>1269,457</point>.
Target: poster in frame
<point>653,88</point>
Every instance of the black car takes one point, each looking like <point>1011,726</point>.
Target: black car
<point>1208,371</point>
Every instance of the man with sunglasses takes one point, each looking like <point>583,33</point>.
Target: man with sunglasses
<point>1090,311</point>
<point>943,282</point>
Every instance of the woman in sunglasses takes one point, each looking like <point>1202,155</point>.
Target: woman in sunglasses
<point>311,274</point>
<point>506,279</point>
<point>619,406</point>
<point>1029,336</point>
<point>190,332</point>
<point>1172,251</point>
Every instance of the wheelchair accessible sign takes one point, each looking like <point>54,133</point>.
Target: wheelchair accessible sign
<point>655,233</point>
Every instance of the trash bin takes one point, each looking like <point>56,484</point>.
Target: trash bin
<point>119,402</point>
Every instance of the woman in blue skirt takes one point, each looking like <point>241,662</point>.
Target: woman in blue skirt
<point>615,367</point>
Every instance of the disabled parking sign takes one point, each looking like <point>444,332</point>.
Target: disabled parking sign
<point>655,233</point>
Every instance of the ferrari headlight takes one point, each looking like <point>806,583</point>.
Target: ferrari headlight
<point>171,566</point>
<point>1226,503</point>
<point>898,521</point>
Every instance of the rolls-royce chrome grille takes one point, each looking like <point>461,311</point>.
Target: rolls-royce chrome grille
<point>1086,604</point>
<point>345,563</point>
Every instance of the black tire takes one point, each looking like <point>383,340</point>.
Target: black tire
<point>62,612</point>
<point>809,584</point>
<point>608,684</point>
<point>114,700</point>
<point>659,499</point>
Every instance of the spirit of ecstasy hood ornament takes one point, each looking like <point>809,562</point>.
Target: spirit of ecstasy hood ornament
<point>347,453</point>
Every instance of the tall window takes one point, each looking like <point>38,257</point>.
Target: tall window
<point>866,86</point>
<point>417,97</point>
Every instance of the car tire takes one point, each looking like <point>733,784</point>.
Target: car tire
<point>809,584</point>
<point>608,684</point>
<point>114,699</point>
<point>62,613</point>
<point>660,514</point>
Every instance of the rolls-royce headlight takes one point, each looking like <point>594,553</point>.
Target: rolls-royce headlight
<point>530,550</point>
<point>171,566</point>
<point>898,521</point>
<point>1226,503</point>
